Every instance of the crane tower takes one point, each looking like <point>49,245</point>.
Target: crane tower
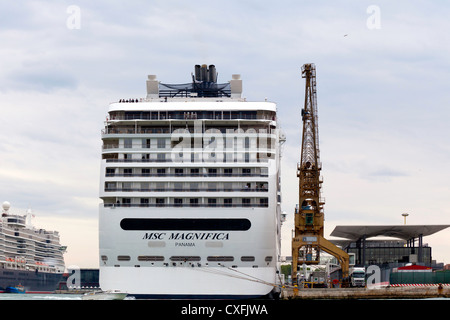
<point>308,240</point>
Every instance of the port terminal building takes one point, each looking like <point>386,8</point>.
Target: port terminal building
<point>390,247</point>
<point>406,243</point>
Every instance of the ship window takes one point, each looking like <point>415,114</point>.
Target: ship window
<point>178,186</point>
<point>247,143</point>
<point>195,172</point>
<point>264,202</point>
<point>246,202</point>
<point>126,186</point>
<point>150,258</point>
<point>127,172</point>
<point>160,202</point>
<point>212,186</point>
<point>161,157</point>
<point>161,143</point>
<point>123,258</point>
<point>185,258</point>
<point>212,172</point>
<point>193,202</point>
<point>128,143</point>
<point>110,186</point>
<point>178,202</point>
<point>228,202</point>
<point>228,172</point>
<point>194,186</point>
<point>110,172</point>
<point>145,143</point>
<point>247,258</point>
<point>160,186</point>
<point>264,171</point>
<point>268,258</point>
<point>212,202</point>
<point>178,171</point>
<point>161,171</point>
<point>145,172</point>
<point>246,172</point>
<point>104,258</point>
<point>220,258</point>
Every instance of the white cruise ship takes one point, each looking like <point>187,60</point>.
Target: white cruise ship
<point>190,185</point>
<point>30,258</point>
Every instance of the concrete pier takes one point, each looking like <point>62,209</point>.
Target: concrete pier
<point>364,293</point>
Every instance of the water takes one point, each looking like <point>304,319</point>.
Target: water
<point>41,296</point>
<point>68,297</point>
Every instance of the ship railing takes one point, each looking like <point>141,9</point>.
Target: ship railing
<point>185,190</point>
<point>174,205</point>
<point>189,175</point>
<point>192,115</point>
<point>263,160</point>
<point>188,150</point>
<point>190,130</point>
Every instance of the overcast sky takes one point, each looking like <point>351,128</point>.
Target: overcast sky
<point>383,71</point>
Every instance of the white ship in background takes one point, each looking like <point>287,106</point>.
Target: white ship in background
<point>30,258</point>
<point>190,190</point>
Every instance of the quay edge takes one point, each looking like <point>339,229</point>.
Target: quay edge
<point>364,293</point>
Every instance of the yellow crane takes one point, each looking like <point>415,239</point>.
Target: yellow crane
<point>308,239</point>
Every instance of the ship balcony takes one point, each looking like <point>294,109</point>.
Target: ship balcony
<point>186,205</point>
<point>124,189</point>
<point>189,175</point>
<point>175,156</point>
<point>187,129</point>
<point>191,115</point>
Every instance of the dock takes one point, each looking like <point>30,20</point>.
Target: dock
<point>425,292</point>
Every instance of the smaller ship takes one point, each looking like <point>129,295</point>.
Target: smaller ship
<point>31,259</point>
<point>105,295</point>
<point>16,289</point>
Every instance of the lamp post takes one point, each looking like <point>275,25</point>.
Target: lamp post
<point>404,216</point>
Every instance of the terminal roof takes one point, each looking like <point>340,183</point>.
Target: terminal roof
<point>405,232</point>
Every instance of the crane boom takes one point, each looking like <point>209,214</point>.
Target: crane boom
<point>309,216</point>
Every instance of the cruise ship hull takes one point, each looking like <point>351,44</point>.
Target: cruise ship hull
<point>193,264</point>
<point>189,282</point>
<point>33,282</point>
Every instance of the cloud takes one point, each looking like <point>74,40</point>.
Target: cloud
<point>382,94</point>
<point>41,80</point>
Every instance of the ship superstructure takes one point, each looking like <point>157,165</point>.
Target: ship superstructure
<point>190,189</point>
<point>30,257</point>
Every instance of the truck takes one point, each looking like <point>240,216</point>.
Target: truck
<point>357,277</point>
